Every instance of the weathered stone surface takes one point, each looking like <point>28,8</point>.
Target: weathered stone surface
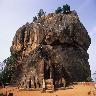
<point>53,47</point>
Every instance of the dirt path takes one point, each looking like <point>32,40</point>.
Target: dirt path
<point>77,90</point>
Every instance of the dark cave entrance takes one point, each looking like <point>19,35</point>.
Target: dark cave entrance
<point>46,72</point>
<point>59,78</point>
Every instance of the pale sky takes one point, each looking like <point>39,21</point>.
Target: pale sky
<point>15,13</point>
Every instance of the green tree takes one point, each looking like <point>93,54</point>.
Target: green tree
<point>7,73</point>
<point>89,79</point>
<point>66,8</point>
<point>59,10</point>
<point>5,76</point>
<point>34,19</point>
<point>41,13</point>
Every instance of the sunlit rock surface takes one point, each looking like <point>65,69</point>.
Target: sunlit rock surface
<point>53,47</point>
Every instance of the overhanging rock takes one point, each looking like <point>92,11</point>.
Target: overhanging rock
<point>53,47</point>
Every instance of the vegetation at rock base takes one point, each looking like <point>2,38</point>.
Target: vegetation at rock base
<point>6,74</point>
<point>89,79</point>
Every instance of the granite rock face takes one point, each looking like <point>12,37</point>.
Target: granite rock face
<point>53,47</point>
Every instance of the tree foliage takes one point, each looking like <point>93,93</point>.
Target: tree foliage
<point>6,74</point>
<point>89,79</point>
<point>59,10</point>
<point>34,19</point>
<point>66,8</point>
<point>41,13</point>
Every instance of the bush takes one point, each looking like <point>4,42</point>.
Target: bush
<point>59,10</point>
<point>89,79</point>
<point>7,73</point>
<point>5,76</point>
<point>41,13</point>
<point>34,19</point>
<point>66,8</point>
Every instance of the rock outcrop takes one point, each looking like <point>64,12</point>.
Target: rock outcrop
<point>52,47</point>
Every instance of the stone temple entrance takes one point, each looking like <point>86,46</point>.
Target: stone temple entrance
<point>54,78</point>
<point>48,77</point>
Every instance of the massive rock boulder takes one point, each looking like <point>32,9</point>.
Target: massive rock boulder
<point>52,47</point>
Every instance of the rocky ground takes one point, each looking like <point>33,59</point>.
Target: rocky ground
<point>77,90</point>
